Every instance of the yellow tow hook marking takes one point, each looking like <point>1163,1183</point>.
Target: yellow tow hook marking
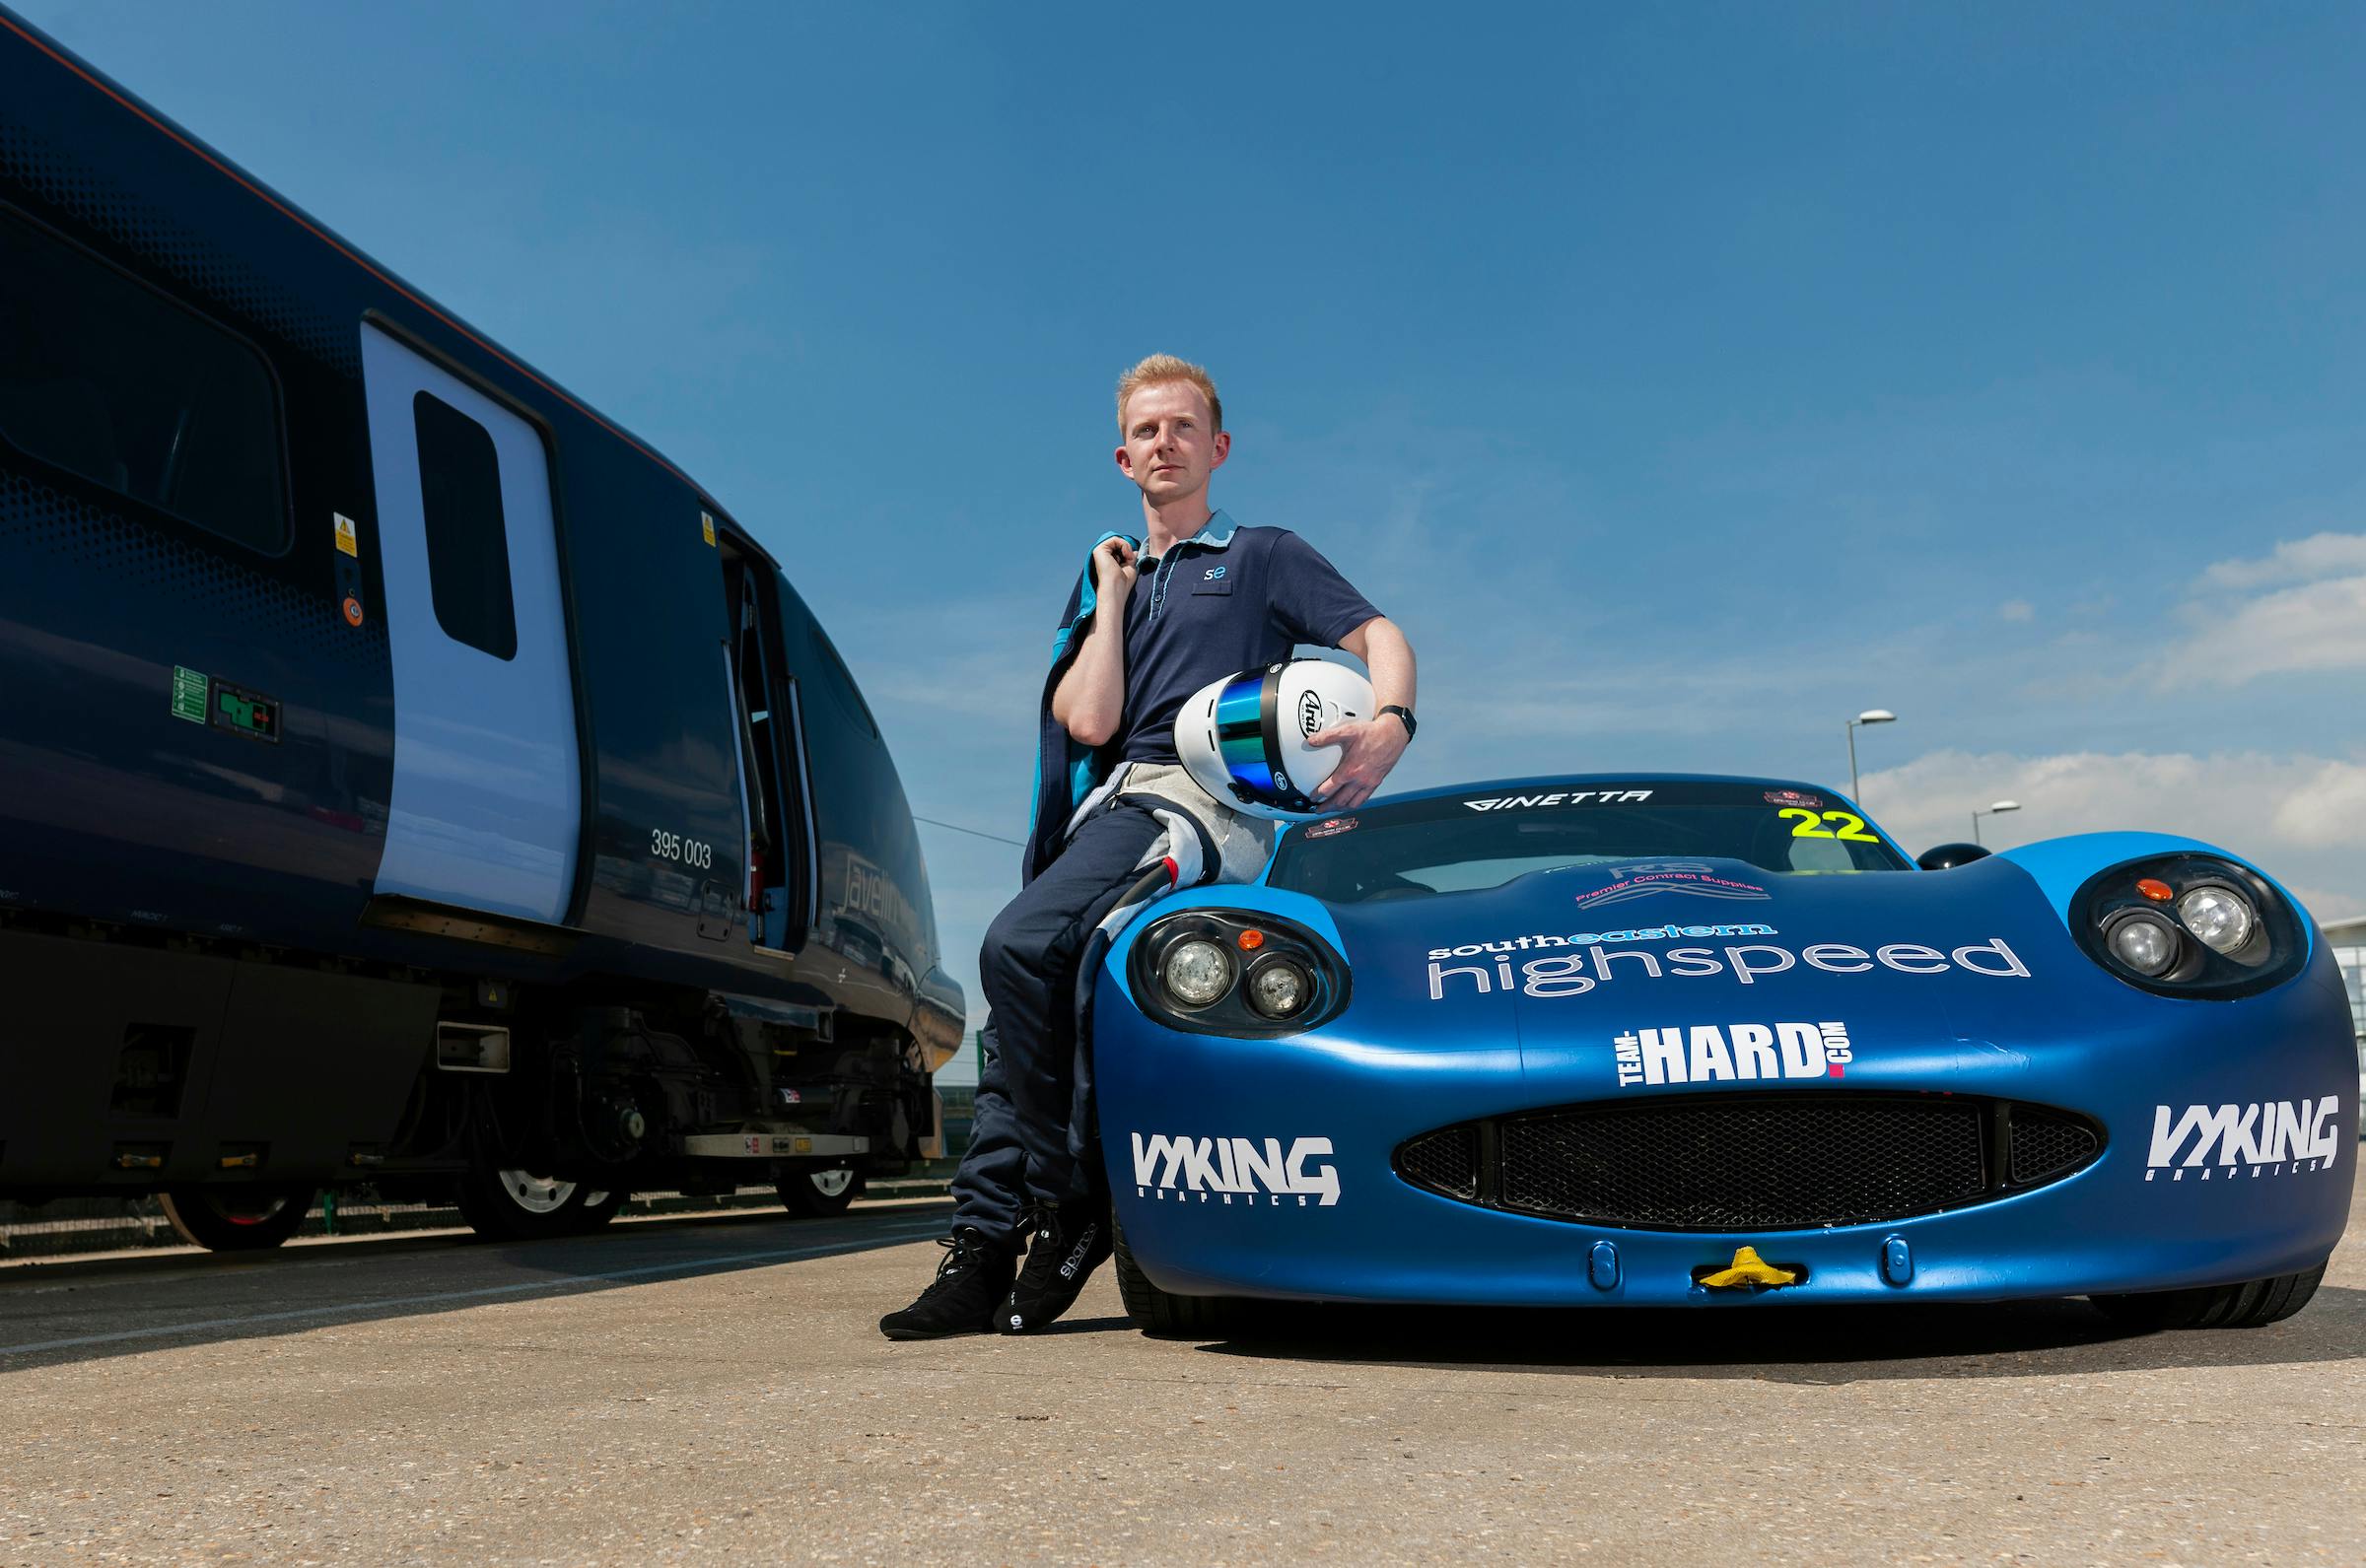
<point>1747,1269</point>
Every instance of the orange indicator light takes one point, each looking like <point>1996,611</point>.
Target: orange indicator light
<point>1250,942</point>
<point>2153,888</point>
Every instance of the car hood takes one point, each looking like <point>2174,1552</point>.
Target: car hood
<point>1587,956</point>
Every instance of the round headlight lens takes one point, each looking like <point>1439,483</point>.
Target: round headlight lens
<point>2145,943</point>
<point>1279,990</point>
<point>1197,971</point>
<point>2220,918</point>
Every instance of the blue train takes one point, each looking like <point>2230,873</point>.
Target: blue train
<point>406,775</point>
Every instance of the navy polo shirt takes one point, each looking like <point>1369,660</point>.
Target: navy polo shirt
<point>1224,600</point>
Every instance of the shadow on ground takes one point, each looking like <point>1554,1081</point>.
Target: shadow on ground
<point>1818,1345</point>
<point>85,1310</point>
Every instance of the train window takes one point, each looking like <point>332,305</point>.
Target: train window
<point>467,542</point>
<point>111,380</point>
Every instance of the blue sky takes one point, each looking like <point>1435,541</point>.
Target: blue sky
<point>1682,379</point>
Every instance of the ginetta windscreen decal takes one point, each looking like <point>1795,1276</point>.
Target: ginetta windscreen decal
<point>1559,797</point>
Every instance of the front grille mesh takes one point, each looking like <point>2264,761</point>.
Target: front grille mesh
<point>2044,1144</point>
<point>1755,1163</point>
<point>1750,1165</point>
<point>1445,1162</point>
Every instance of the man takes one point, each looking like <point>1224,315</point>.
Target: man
<point>1197,599</point>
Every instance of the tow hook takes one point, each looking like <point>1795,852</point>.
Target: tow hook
<point>1748,1272</point>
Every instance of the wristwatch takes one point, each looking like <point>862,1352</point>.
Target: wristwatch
<point>1404,713</point>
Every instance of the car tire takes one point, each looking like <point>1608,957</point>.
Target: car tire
<point>818,1195</point>
<point>237,1219</point>
<point>515,1206</point>
<point>2251,1305</point>
<point>1163,1315</point>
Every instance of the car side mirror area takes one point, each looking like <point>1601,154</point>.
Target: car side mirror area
<point>1947,857</point>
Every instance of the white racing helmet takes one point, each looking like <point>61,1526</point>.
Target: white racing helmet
<point>1243,738</point>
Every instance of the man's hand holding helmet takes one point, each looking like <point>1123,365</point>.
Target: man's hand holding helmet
<point>1373,747</point>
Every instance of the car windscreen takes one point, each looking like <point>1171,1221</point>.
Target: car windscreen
<point>1455,843</point>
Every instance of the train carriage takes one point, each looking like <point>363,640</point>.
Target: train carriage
<point>406,775</point>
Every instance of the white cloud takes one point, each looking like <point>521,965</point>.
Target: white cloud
<point>2322,555</point>
<point>2309,617</point>
<point>2318,625</point>
<point>2290,812</point>
<point>2328,810</point>
<point>2017,610</point>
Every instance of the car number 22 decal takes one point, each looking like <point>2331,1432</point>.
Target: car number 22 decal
<point>1811,825</point>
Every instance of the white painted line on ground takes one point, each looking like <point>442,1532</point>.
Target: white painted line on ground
<point>903,1233</point>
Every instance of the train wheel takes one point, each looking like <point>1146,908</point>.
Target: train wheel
<point>237,1219</point>
<point>512,1205</point>
<point>817,1194</point>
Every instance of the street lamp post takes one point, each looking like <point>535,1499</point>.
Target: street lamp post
<point>1871,715</point>
<point>1999,806</point>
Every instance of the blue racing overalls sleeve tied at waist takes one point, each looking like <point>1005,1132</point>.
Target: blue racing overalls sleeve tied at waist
<point>1065,769</point>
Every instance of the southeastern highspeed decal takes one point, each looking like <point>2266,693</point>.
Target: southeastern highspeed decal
<point>1566,974</point>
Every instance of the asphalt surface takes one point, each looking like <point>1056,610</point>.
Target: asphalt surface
<point>686,1390</point>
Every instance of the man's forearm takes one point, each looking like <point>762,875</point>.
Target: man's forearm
<point>1391,663</point>
<point>1389,657</point>
<point>1090,698</point>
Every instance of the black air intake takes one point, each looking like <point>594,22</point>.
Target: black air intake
<point>1749,1162</point>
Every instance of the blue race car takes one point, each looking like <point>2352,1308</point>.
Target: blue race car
<point>1719,1041</point>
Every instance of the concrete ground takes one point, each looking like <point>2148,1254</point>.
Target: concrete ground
<point>686,1390</point>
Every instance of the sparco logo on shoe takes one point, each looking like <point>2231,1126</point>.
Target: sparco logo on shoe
<point>1743,1053</point>
<point>2270,1139</point>
<point>1251,1170</point>
<point>1076,1255</point>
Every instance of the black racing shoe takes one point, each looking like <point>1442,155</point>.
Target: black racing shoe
<point>1063,1249</point>
<point>965,1295</point>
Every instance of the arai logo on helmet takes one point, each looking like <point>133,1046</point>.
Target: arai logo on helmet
<point>1311,711</point>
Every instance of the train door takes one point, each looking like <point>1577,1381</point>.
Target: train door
<point>772,760</point>
<point>487,807</point>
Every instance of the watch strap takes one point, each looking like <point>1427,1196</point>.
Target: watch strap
<point>1404,713</point>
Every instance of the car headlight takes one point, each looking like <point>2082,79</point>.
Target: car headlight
<point>1280,988</point>
<point>1232,972</point>
<point>2219,915</point>
<point>2193,925</point>
<point>1197,971</point>
<point>2143,941</point>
